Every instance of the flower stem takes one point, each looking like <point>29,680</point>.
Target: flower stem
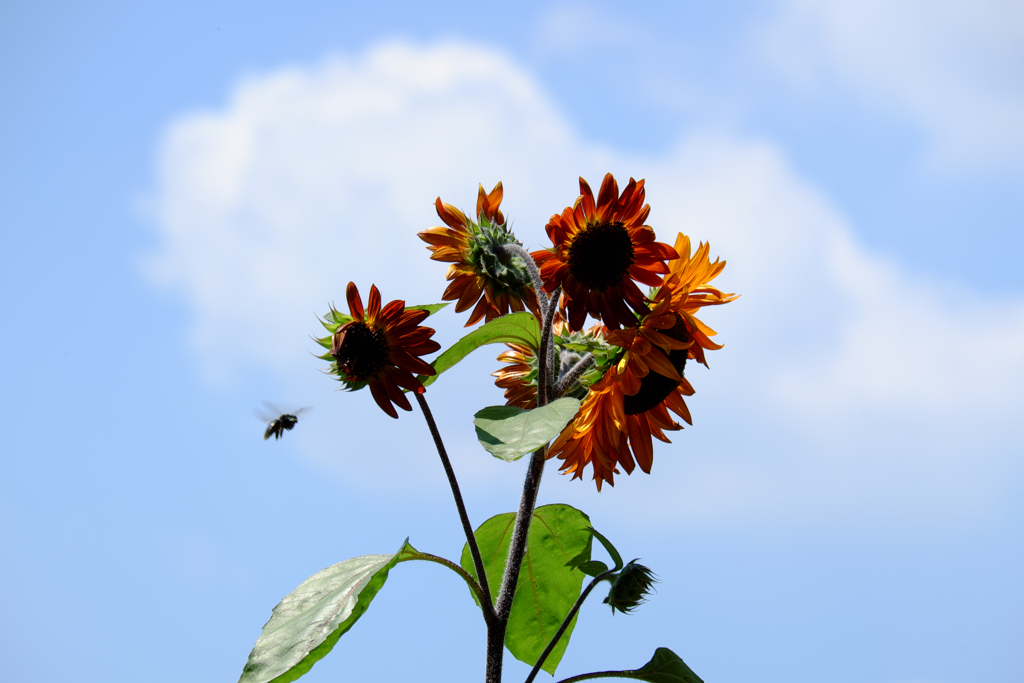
<point>528,501</point>
<point>474,549</point>
<point>565,623</point>
<point>534,271</point>
<point>601,674</point>
<point>470,581</point>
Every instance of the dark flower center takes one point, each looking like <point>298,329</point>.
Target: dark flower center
<point>600,255</point>
<point>363,352</point>
<point>655,388</point>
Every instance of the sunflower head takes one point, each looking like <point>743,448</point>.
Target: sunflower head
<point>481,272</point>
<point>630,588</point>
<point>634,402</point>
<point>379,347</point>
<point>600,246</point>
<point>519,377</point>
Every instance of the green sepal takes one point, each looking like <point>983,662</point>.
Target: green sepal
<point>307,623</point>
<point>616,558</point>
<point>547,588</point>
<point>514,328</point>
<point>509,433</point>
<point>431,309</point>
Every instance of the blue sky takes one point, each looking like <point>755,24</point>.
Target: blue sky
<point>185,186</point>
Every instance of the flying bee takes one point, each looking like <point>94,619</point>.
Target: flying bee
<point>279,421</point>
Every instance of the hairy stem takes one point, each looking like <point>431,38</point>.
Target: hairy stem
<point>565,624</point>
<point>573,374</point>
<point>474,549</point>
<point>533,270</point>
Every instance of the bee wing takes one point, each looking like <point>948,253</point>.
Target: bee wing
<point>303,411</point>
<point>273,410</point>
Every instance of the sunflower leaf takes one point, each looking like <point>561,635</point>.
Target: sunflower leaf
<point>547,588</point>
<point>665,667</point>
<point>307,623</point>
<point>429,308</point>
<point>510,433</point>
<point>517,328</point>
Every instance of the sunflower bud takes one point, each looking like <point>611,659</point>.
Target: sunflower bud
<point>630,588</point>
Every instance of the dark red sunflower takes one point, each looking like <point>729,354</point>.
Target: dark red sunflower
<point>599,248</point>
<point>481,272</point>
<point>379,347</point>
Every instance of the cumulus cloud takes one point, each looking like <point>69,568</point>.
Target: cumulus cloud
<point>956,68</point>
<point>846,386</point>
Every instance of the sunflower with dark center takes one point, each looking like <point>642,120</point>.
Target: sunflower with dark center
<point>481,272</point>
<point>633,403</point>
<point>599,248</point>
<point>380,348</point>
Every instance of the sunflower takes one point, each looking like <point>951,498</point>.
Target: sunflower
<point>519,377</point>
<point>481,272</point>
<point>599,248</point>
<point>614,428</point>
<point>687,281</point>
<point>379,347</point>
<point>633,402</point>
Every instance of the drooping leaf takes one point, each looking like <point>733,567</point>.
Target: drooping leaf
<point>510,433</point>
<point>593,568</point>
<point>665,667</point>
<point>520,328</point>
<point>307,623</point>
<point>547,587</point>
<point>429,308</point>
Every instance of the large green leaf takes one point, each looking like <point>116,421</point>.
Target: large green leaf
<point>519,328</point>
<point>547,588</point>
<point>510,433</point>
<point>307,623</point>
<point>665,667</point>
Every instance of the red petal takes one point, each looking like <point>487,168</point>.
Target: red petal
<point>355,303</point>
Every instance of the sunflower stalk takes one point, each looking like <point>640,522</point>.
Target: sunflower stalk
<point>528,501</point>
<point>485,592</point>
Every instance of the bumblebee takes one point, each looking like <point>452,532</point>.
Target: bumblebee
<point>277,426</point>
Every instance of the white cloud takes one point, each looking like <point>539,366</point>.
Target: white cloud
<point>955,67</point>
<point>846,387</point>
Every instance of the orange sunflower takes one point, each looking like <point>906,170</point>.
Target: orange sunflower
<point>599,248</point>
<point>379,347</point>
<point>481,272</point>
<point>687,281</point>
<point>629,406</point>
<point>633,402</point>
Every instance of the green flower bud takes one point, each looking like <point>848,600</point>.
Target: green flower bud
<point>630,588</point>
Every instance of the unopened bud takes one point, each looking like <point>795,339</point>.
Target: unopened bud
<point>630,588</point>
